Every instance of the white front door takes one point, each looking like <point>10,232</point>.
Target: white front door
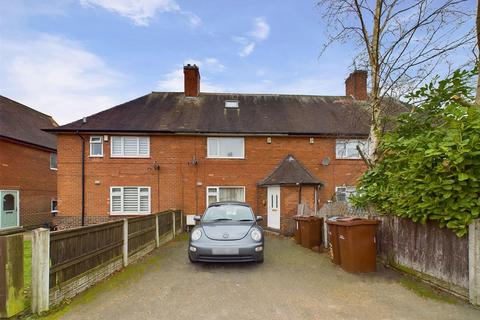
<point>273,194</point>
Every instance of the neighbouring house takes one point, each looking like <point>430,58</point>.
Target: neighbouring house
<point>185,150</point>
<point>28,166</point>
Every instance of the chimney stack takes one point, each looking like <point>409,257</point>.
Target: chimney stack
<point>191,80</point>
<point>356,85</point>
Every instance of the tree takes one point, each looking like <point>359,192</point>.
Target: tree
<point>400,42</point>
<point>430,164</point>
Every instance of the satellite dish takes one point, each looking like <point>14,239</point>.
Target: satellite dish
<point>326,161</point>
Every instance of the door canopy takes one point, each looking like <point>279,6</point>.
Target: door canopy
<point>290,172</point>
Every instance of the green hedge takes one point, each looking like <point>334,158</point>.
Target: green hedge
<point>429,167</point>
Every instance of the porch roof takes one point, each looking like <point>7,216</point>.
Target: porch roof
<point>290,172</point>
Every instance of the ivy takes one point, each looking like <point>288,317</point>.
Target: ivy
<point>429,168</point>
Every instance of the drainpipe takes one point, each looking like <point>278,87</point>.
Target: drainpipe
<point>83,178</point>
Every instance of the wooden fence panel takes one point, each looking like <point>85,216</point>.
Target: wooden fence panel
<point>141,231</point>
<point>165,223</point>
<point>178,219</point>
<point>75,251</point>
<point>436,254</point>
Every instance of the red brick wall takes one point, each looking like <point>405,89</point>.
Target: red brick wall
<point>27,169</point>
<point>182,184</point>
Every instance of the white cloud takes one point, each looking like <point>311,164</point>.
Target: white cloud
<point>247,50</point>
<point>58,76</point>
<point>173,80</point>
<point>141,12</point>
<point>261,29</point>
<point>260,32</point>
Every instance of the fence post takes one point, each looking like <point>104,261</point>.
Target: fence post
<point>40,270</point>
<point>125,242</point>
<point>181,221</point>
<point>474,262</point>
<point>173,224</point>
<point>157,236</point>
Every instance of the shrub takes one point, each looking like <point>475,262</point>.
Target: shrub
<point>429,167</point>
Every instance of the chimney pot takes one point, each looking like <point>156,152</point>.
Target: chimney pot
<point>356,85</point>
<point>191,80</point>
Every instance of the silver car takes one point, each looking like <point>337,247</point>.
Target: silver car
<point>227,232</point>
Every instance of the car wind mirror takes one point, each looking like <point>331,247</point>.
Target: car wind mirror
<point>197,218</point>
<point>259,218</point>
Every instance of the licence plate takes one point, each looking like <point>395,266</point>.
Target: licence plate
<point>225,251</point>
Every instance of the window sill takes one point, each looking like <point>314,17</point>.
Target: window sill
<point>54,169</point>
<point>129,157</point>
<point>96,156</point>
<point>226,158</point>
<point>129,213</point>
<point>348,158</point>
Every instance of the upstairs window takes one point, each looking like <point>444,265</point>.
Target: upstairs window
<point>53,161</point>
<point>343,193</point>
<point>226,147</point>
<point>347,149</point>
<point>130,147</point>
<point>96,146</point>
<point>130,200</point>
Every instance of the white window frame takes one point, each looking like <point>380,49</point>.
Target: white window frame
<point>211,156</point>
<point>51,206</point>
<point>123,151</point>
<point>349,190</point>
<point>91,145</point>
<point>363,142</point>
<point>56,157</point>
<point>123,212</point>
<point>224,187</point>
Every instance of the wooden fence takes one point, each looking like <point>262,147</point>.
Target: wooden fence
<point>434,254</point>
<point>78,258</point>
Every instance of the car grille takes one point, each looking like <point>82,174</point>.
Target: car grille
<point>225,258</point>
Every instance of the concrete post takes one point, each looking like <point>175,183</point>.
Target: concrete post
<point>157,236</point>
<point>474,262</point>
<point>173,225</point>
<point>181,221</point>
<point>325,232</point>
<point>125,242</point>
<point>40,270</point>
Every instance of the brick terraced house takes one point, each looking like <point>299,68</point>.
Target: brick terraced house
<point>28,170</point>
<point>184,150</point>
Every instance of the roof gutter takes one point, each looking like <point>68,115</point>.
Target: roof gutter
<point>205,133</point>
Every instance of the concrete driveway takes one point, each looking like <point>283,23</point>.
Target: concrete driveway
<point>293,283</point>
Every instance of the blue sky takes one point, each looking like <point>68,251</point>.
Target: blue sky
<point>73,58</point>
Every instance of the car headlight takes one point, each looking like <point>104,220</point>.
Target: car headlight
<point>196,234</point>
<point>256,235</point>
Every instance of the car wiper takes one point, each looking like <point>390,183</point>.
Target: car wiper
<point>245,220</point>
<point>222,219</point>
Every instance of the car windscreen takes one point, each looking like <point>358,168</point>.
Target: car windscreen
<point>228,212</point>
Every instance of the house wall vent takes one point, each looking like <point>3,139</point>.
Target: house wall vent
<point>231,104</point>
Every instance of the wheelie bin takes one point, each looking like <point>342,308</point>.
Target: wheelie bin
<point>357,244</point>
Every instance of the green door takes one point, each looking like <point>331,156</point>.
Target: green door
<point>9,206</point>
